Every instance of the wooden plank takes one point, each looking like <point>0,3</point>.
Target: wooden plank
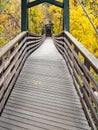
<point>8,91</point>
<point>47,112</point>
<point>16,125</point>
<point>58,100</point>
<point>44,96</point>
<point>55,123</point>
<point>80,69</point>
<point>68,96</point>
<point>11,73</point>
<point>47,109</point>
<point>66,107</point>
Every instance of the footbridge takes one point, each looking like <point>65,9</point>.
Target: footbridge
<point>46,83</point>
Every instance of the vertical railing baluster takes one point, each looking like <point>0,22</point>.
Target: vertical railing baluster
<point>76,50</point>
<point>0,61</point>
<point>82,63</point>
<point>12,49</point>
<point>8,62</point>
<point>86,63</point>
<point>0,68</point>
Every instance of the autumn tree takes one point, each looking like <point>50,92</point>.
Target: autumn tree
<point>36,19</point>
<point>81,27</point>
<point>10,21</point>
<point>40,15</point>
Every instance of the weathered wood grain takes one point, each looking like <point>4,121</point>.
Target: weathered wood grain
<point>44,97</point>
<point>80,63</point>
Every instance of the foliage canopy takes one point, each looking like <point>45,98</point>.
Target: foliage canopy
<point>80,27</point>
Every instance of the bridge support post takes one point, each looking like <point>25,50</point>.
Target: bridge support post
<point>66,16</point>
<point>24,15</point>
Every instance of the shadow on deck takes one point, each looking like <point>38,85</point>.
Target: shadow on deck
<point>44,96</point>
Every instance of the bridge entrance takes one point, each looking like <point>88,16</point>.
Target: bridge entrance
<point>48,30</point>
<point>25,5</point>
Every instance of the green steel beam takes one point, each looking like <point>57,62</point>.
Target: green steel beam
<point>37,2</point>
<point>34,3</point>
<point>56,3</point>
<point>24,12</point>
<point>24,15</point>
<point>66,21</point>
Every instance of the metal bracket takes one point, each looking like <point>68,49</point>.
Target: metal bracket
<point>37,2</point>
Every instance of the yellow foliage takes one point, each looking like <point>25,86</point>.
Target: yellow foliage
<point>56,18</point>
<point>81,28</point>
<point>40,15</point>
<point>36,19</point>
<point>10,21</point>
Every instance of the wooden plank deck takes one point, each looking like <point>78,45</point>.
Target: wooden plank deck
<point>44,97</point>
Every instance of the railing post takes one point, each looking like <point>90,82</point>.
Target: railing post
<point>86,63</point>
<point>0,60</point>
<point>0,65</point>
<point>24,15</point>
<point>66,16</point>
<point>76,50</point>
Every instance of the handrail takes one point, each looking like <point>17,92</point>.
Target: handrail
<point>93,61</point>
<point>83,67</point>
<point>8,46</point>
<point>12,57</point>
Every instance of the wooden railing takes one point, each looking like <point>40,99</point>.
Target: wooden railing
<point>12,58</point>
<point>83,67</point>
